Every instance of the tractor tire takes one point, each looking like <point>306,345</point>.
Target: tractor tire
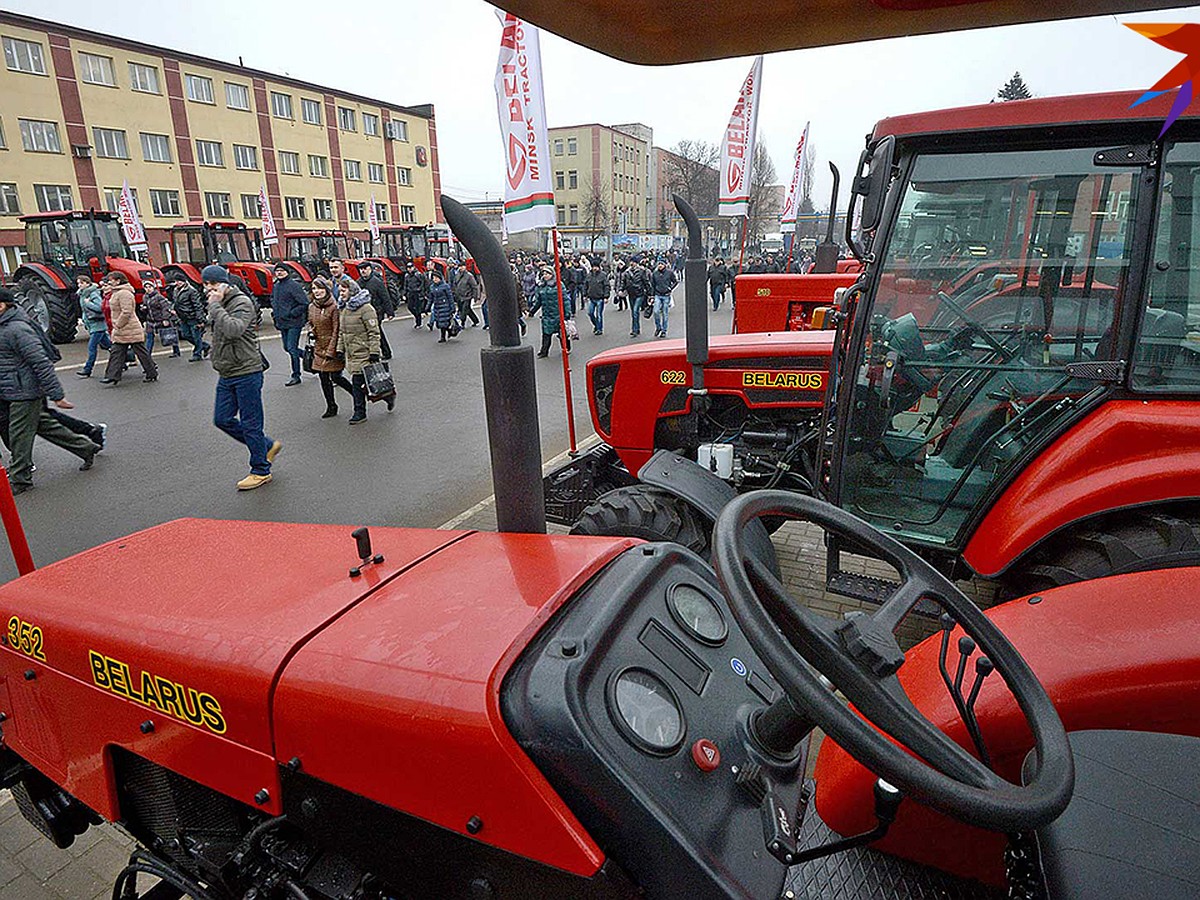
<point>1129,542</point>
<point>63,307</point>
<point>649,513</point>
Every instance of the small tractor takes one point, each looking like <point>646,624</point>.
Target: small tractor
<point>64,245</point>
<point>195,245</point>
<point>307,253</point>
<point>1013,386</point>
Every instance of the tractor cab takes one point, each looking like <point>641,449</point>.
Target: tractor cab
<point>195,245</point>
<point>308,253</point>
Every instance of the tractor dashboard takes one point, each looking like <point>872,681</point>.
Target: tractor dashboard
<point>634,702</point>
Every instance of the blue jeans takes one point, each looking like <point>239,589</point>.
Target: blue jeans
<point>97,340</point>
<point>193,332</point>
<point>595,311</point>
<point>291,344</point>
<point>635,314</point>
<point>662,309</point>
<point>716,290</point>
<point>483,309</point>
<point>238,411</point>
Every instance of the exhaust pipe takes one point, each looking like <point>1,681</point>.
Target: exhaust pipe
<point>827,252</point>
<point>695,300</point>
<point>509,385</point>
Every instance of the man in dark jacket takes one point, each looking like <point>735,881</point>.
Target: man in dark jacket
<point>663,282</point>
<point>289,309</point>
<point>637,286</point>
<point>380,299</point>
<point>597,294</point>
<point>238,410</point>
<point>416,289</point>
<point>718,277</point>
<point>26,377</point>
<point>189,307</point>
<point>466,291</point>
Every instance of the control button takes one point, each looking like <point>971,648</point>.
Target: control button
<point>705,755</point>
<point>761,686</point>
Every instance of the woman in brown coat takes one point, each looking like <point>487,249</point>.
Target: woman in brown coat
<point>128,335</point>
<point>323,326</point>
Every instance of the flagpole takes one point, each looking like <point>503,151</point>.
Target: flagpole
<point>742,253</point>
<point>564,343</point>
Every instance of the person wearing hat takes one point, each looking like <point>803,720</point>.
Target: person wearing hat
<point>128,335</point>
<point>238,409</point>
<point>289,310</point>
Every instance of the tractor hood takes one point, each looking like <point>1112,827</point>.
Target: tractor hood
<point>723,349</point>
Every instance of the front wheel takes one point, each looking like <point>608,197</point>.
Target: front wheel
<point>63,307</point>
<point>649,513</point>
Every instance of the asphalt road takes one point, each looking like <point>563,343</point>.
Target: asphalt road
<point>420,465</point>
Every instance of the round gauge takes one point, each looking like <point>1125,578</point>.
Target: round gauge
<point>698,614</point>
<point>646,710</point>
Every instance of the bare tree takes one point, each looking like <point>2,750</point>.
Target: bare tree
<point>693,174</point>
<point>595,208</point>
<point>765,199</point>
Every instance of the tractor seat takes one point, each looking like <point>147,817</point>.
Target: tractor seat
<point>1132,828</point>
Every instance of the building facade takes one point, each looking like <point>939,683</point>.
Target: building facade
<point>599,180</point>
<point>82,112</point>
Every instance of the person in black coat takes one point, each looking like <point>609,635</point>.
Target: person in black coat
<point>289,310</point>
<point>597,294</point>
<point>380,299</point>
<point>718,277</point>
<point>416,289</point>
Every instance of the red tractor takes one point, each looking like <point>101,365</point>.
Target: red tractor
<point>307,253</point>
<point>195,245</point>
<point>456,714</point>
<point>64,245</point>
<point>1013,388</point>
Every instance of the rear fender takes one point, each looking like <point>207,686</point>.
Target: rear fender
<point>705,492</point>
<point>1126,454</point>
<point>52,278</point>
<point>187,270</point>
<point>298,270</point>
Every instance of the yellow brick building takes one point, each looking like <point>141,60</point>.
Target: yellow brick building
<point>602,162</point>
<point>81,112</point>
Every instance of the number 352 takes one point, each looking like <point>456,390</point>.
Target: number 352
<point>25,638</point>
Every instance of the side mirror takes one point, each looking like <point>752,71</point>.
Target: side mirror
<point>872,186</point>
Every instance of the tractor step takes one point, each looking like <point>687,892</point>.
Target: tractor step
<point>873,590</point>
<point>580,481</point>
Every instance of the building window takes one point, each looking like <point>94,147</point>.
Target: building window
<point>245,157</point>
<point>323,210</point>
<point>346,119</point>
<point>110,143</point>
<point>408,214</point>
<point>199,88</point>
<point>210,153</point>
<point>353,169</point>
<point>381,212</point>
<point>3,143</point>
<point>112,199</point>
<point>559,182</point>
<point>217,204</point>
<point>370,124</point>
<point>400,129</point>
<point>10,204</point>
<point>250,207</point>
<point>318,166</point>
<point>281,105</point>
<point>572,146</point>
<point>95,69</point>
<point>156,148</point>
<point>164,203</point>
<point>310,111</point>
<point>573,180</point>
<point>294,207</point>
<point>558,147</point>
<point>289,162</point>
<point>375,173</point>
<point>404,175</point>
<point>24,56</point>
<point>572,214</point>
<point>53,197</point>
<point>39,137</point>
<point>237,96</point>
<point>143,78</point>
<point>358,211</point>
<point>562,214</point>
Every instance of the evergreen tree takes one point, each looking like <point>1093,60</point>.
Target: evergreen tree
<point>1015,89</point>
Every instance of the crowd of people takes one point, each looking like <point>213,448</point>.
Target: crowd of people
<point>345,341</point>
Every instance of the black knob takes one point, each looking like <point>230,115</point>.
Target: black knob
<point>474,825</point>
<point>752,782</point>
<point>262,797</point>
<point>362,537</point>
<point>146,727</point>
<point>30,674</point>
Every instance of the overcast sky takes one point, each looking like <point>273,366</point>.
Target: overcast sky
<point>444,52</point>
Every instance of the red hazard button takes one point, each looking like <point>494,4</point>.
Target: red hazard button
<point>705,755</point>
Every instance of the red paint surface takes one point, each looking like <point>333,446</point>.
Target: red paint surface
<point>764,301</point>
<point>1126,453</point>
<point>46,272</point>
<point>399,699</point>
<point>1118,652</point>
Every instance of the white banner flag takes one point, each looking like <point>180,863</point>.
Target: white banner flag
<point>521,104</point>
<point>373,221</point>
<point>787,219</point>
<point>737,148</point>
<point>269,234</point>
<point>135,234</point>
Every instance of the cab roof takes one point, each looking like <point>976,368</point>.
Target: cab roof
<point>202,223</point>
<point>100,215</point>
<point>664,32</point>
<point>1072,110</point>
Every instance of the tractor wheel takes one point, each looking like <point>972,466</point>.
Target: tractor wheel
<point>63,307</point>
<point>645,512</point>
<point>1130,542</point>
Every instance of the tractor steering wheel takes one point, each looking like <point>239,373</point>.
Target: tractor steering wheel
<point>860,656</point>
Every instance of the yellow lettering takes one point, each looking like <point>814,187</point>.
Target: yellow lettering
<point>99,675</point>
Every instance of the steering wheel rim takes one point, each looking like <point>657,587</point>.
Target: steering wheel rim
<point>859,657</point>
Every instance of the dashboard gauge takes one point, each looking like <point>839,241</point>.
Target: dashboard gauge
<point>646,711</point>
<point>697,614</point>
